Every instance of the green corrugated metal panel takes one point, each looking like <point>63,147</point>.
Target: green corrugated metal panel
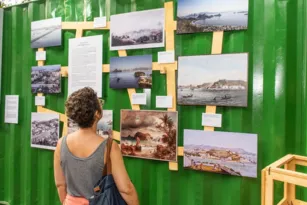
<point>277,43</point>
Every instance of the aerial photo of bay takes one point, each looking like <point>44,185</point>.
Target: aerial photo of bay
<point>219,80</point>
<point>195,16</point>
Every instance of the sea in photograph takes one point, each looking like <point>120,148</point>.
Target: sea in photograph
<point>237,98</point>
<point>120,80</point>
<point>46,37</point>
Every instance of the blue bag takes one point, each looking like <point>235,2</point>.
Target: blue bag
<point>105,191</point>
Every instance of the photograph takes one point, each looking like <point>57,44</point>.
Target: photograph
<point>105,125</point>
<point>46,79</point>
<point>45,130</point>
<point>46,33</point>
<point>221,152</point>
<point>217,80</point>
<point>194,16</point>
<point>135,30</point>
<point>149,134</point>
<point>131,72</point>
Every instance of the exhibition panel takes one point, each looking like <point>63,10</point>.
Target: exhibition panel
<point>165,71</point>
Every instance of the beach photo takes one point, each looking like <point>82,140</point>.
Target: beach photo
<point>195,16</point>
<point>219,80</point>
<point>131,72</point>
<point>149,134</point>
<point>105,125</point>
<point>46,33</point>
<point>221,152</point>
<point>45,130</point>
<point>135,30</point>
<point>46,79</point>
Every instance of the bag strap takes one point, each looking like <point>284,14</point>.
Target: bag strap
<point>108,166</point>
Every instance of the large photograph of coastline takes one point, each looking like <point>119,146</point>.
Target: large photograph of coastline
<point>219,80</point>
<point>46,33</point>
<point>45,130</point>
<point>46,79</point>
<point>149,134</point>
<point>195,16</point>
<point>135,30</point>
<point>221,152</point>
<point>131,72</point>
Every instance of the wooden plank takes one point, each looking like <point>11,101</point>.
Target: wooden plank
<point>116,135</point>
<point>299,202</point>
<point>289,177</point>
<point>106,68</point>
<point>289,189</point>
<point>173,166</point>
<point>300,162</point>
<point>302,158</point>
<point>263,177</point>
<point>283,202</point>
<point>284,160</point>
<point>89,25</point>
<point>41,109</point>
<point>169,26</point>
<point>269,190</point>
<point>64,71</point>
<point>79,33</point>
<point>171,86</point>
<point>180,151</point>
<point>122,53</point>
<point>217,46</point>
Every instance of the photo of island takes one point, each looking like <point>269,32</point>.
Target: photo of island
<point>105,125</point>
<point>149,134</point>
<point>219,80</point>
<point>45,130</point>
<point>46,79</point>
<point>135,30</point>
<point>195,16</point>
<point>131,72</point>
<point>221,152</point>
<point>46,33</point>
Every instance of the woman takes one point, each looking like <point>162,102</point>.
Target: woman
<point>79,158</point>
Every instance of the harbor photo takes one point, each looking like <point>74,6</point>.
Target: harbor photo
<point>221,152</point>
<point>135,30</point>
<point>195,16</point>
<point>46,33</point>
<point>219,80</point>
<point>131,72</point>
<point>149,134</point>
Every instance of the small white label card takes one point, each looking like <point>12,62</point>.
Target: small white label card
<point>139,98</point>
<point>40,55</point>
<point>100,22</point>
<point>212,120</point>
<point>164,101</point>
<point>11,109</point>
<point>166,57</point>
<point>40,100</point>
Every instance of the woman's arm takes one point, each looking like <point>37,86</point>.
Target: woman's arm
<point>58,173</point>
<point>121,178</point>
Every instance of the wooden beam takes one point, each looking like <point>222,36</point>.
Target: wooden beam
<point>173,166</point>
<point>269,190</point>
<point>289,189</point>
<point>63,117</point>
<point>286,159</point>
<point>169,26</point>
<point>283,202</point>
<point>89,25</point>
<point>180,151</point>
<point>289,176</point>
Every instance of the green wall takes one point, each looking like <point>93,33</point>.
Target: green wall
<point>277,43</point>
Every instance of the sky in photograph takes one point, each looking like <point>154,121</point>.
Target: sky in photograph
<point>46,23</point>
<point>47,68</point>
<point>197,70</point>
<point>186,7</point>
<point>44,116</point>
<point>135,21</point>
<point>248,142</point>
<point>130,62</point>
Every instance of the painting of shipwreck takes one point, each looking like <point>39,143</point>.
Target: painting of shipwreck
<point>221,152</point>
<point>219,80</point>
<point>149,134</point>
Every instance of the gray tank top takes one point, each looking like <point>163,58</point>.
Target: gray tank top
<point>82,174</point>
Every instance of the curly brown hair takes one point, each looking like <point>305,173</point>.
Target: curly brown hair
<point>81,107</point>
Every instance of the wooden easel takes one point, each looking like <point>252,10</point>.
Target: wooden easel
<point>288,175</point>
<point>168,69</point>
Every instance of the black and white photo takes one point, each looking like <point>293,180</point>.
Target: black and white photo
<point>195,16</point>
<point>219,80</point>
<point>142,29</point>
<point>46,79</point>
<point>44,130</point>
<point>46,33</point>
